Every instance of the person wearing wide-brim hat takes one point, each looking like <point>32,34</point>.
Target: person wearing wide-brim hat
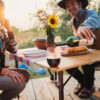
<point>85,24</point>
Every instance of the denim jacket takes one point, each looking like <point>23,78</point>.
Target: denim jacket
<point>92,20</point>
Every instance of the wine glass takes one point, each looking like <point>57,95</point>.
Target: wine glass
<point>53,59</point>
<point>53,56</point>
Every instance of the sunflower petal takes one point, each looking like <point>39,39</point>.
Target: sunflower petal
<point>53,21</point>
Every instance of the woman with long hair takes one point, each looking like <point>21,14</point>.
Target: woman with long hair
<point>12,81</point>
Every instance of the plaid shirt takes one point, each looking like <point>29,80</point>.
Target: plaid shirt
<point>7,42</point>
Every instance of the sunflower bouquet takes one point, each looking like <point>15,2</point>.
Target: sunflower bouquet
<point>42,18</point>
<point>49,22</point>
<point>53,23</point>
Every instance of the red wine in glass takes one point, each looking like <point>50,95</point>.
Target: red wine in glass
<point>53,62</point>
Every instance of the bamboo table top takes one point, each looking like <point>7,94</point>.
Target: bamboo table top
<point>73,61</point>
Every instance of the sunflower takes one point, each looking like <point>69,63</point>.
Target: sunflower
<point>53,21</point>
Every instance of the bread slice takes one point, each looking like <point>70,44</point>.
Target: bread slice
<point>76,49</point>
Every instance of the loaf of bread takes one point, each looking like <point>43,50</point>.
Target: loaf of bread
<point>76,49</point>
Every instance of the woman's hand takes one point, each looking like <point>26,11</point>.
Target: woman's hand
<point>85,32</point>
<point>14,75</point>
<point>6,24</point>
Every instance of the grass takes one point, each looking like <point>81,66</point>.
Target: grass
<point>25,38</point>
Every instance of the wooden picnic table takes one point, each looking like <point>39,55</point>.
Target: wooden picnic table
<point>68,63</point>
<point>71,62</point>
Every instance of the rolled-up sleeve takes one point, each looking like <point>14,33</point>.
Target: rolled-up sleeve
<point>11,44</point>
<point>92,20</point>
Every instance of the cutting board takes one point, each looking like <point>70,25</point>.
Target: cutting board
<point>75,53</point>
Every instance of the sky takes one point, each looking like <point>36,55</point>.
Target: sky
<point>17,11</point>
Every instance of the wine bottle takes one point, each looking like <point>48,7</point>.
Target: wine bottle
<point>72,40</point>
<point>75,41</point>
<point>85,42</point>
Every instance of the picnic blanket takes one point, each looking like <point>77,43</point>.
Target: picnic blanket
<point>32,55</point>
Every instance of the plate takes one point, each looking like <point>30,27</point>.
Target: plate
<point>33,52</point>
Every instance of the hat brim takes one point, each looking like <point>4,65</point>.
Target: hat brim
<point>62,3</point>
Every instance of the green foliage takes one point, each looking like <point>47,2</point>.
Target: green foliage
<point>99,11</point>
<point>26,45</point>
<point>66,16</point>
<point>95,6</point>
<point>65,31</point>
<point>25,38</point>
<point>15,30</point>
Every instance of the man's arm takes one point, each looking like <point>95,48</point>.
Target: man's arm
<point>92,20</point>
<point>91,23</point>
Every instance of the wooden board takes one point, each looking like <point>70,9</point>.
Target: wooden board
<point>52,88</point>
<point>73,61</point>
<point>40,89</point>
<point>75,53</point>
<point>28,93</point>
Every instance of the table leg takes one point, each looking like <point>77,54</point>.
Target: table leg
<point>61,88</point>
<point>55,76</point>
<point>16,63</point>
<point>51,75</point>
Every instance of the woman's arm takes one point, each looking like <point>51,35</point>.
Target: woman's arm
<point>11,44</point>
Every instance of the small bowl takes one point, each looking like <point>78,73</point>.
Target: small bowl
<point>40,43</point>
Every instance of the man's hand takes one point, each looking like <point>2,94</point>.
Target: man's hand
<point>85,32</point>
<point>14,75</point>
